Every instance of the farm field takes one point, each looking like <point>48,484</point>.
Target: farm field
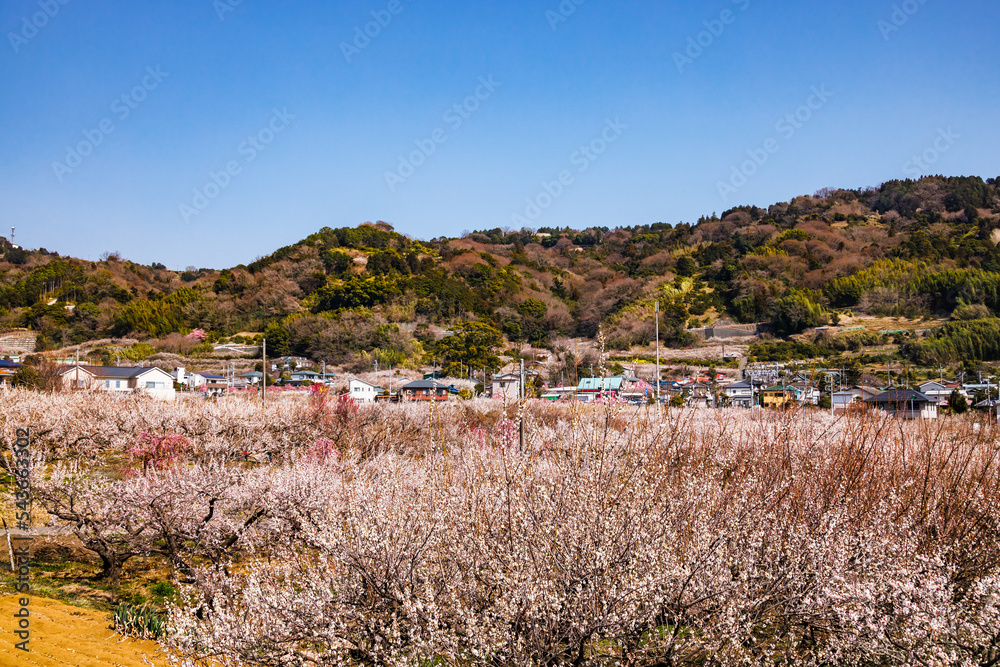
<point>315,532</point>
<point>63,635</point>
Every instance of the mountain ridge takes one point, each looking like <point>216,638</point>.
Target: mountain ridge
<point>912,248</point>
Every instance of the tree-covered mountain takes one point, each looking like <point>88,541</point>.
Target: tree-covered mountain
<point>905,248</point>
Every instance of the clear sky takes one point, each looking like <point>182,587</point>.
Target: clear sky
<point>209,132</point>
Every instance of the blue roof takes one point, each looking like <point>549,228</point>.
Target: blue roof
<point>601,384</point>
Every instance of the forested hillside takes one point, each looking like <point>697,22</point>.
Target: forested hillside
<point>906,248</point>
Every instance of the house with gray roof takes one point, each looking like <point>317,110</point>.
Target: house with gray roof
<point>905,404</point>
<point>151,380</point>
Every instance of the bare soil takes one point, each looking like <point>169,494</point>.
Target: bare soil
<point>65,635</point>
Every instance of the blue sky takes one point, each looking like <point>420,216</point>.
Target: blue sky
<point>237,127</point>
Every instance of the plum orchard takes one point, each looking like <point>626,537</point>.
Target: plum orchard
<point>416,535</point>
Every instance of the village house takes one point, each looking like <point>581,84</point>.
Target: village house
<point>151,381</point>
<point>906,404</point>
<point>508,385</point>
<point>637,391</point>
<point>213,385</point>
<point>855,396</point>
<point>363,392</point>
<point>941,391</point>
<point>426,390</point>
<point>592,389</point>
<point>808,394</point>
<point>780,396</point>
<point>740,394</point>
<point>253,377</point>
<point>698,395</point>
<point>7,370</point>
<point>202,382</point>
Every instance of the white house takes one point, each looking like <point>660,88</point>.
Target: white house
<point>740,394</point>
<point>188,379</point>
<point>253,377</point>
<point>152,381</point>
<point>508,385</point>
<point>941,391</point>
<point>195,380</point>
<point>300,376</point>
<point>842,400</point>
<point>363,392</point>
<point>214,385</point>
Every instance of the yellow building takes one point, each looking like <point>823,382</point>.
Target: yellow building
<point>779,396</point>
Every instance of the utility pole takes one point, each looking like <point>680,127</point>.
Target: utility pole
<point>521,411</point>
<point>657,352</point>
<point>521,383</point>
<point>263,369</point>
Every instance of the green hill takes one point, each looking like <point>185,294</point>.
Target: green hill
<point>906,248</point>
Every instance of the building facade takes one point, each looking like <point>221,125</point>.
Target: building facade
<point>151,381</point>
<point>740,394</point>
<point>363,392</point>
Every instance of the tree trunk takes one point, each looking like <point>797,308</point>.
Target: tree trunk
<point>111,565</point>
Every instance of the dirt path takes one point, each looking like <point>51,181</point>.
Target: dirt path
<point>63,635</point>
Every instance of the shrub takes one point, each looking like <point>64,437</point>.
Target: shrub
<point>137,352</point>
<point>976,311</point>
<point>139,621</point>
<point>163,589</point>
